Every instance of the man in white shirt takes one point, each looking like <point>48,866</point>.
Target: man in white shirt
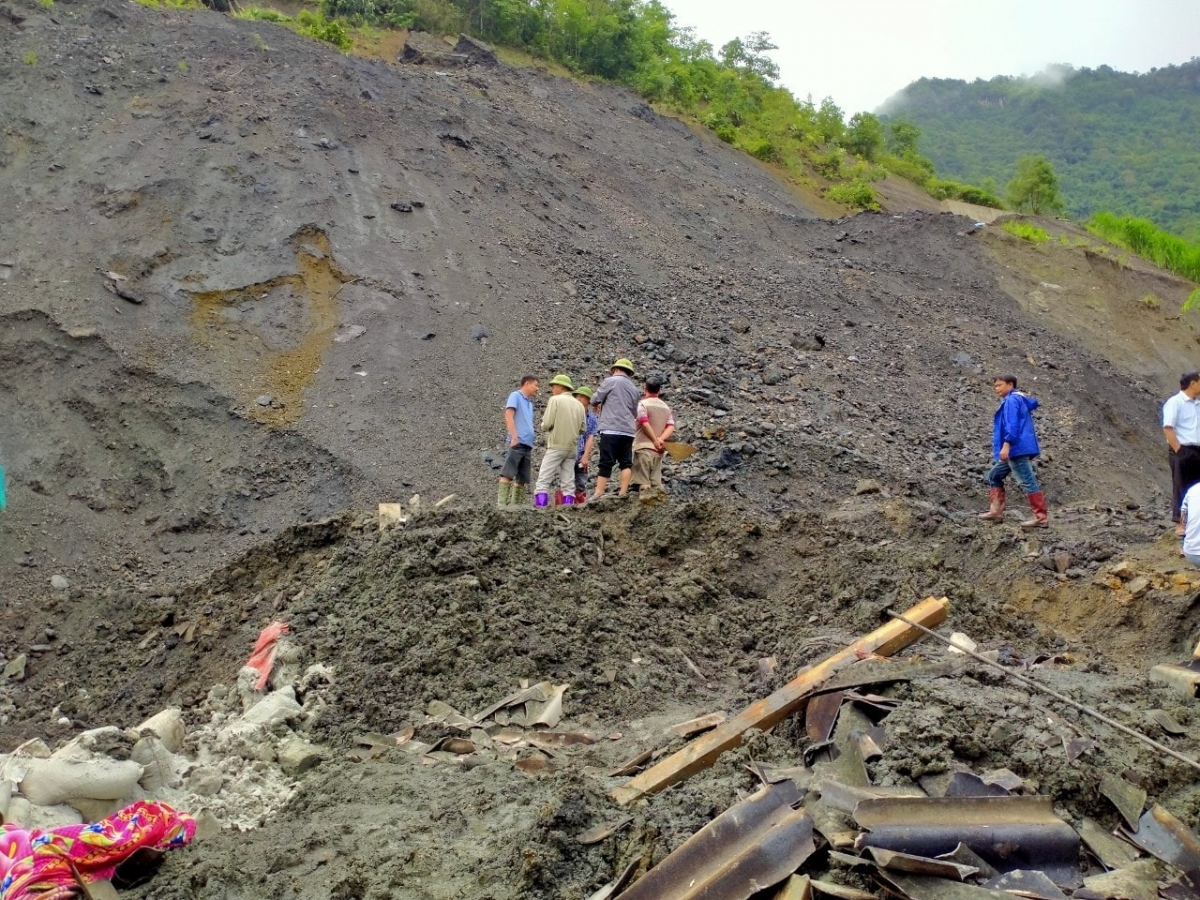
<point>1190,512</point>
<point>1181,427</point>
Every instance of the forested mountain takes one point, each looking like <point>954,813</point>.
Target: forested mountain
<point>1129,143</point>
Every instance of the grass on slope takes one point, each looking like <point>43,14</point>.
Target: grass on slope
<point>1147,240</point>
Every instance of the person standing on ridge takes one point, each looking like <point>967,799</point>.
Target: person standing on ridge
<point>518,422</point>
<point>617,402</point>
<point>1181,427</point>
<point>656,424</point>
<point>586,441</point>
<point>562,423</point>
<point>1014,445</point>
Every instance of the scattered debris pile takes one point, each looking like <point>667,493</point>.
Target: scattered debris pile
<point>453,631</point>
<point>235,771</point>
<point>519,728</point>
<point>952,835</point>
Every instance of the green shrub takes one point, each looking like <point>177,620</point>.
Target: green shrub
<point>1147,240</point>
<point>30,58</point>
<point>855,194</point>
<point>258,14</point>
<point>829,164</point>
<point>310,24</point>
<point>721,127</point>
<point>918,169</point>
<point>1192,301</point>
<point>1150,301</point>
<point>317,25</point>
<point>863,171</point>
<point>438,16</point>
<point>967,193</point>
<point>1027,232</point>
<point>763,149</point>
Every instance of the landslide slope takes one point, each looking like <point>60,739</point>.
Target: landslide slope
<point>362,258</point>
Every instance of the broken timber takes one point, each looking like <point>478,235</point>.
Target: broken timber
<point>792,697</point>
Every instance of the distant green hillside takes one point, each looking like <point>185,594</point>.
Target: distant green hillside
<point>1121,142</point>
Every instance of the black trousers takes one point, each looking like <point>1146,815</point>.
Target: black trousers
<point>1185,471</point>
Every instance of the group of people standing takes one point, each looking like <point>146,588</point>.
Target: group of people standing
<point>632,425</point>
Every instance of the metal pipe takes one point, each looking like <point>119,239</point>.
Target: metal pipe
<point>1112,723</point>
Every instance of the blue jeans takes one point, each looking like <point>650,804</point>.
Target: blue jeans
<point>1021,466</point>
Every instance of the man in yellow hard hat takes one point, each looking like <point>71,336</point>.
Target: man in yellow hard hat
<point>562,424</point>
<point>617,403</point>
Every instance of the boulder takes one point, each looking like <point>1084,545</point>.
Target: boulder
<point>278,706</point>
<point>1139,585</point>
<point>29,815</point>
<point>34,747</point>
<point>423,48</point>
<point>297,756</point>
<point>205,781</point>
<point>156,760</point>
<point>105,741</point>
<point>15,668</point>
<point>49,782</point>
<point>476,51</point>
<point>168,725</point>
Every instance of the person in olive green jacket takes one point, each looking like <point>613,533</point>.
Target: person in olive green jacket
<point>562,423</point>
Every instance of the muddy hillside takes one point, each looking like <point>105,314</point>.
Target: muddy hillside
<point>364,256</point>
<point>251,287</point>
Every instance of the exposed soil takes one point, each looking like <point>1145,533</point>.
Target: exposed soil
<point>251,287</point>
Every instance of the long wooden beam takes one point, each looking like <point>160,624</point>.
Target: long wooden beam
<point>706,749</point>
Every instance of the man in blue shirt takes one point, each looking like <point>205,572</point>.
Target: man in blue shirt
<point>1014,445</point>
<point>518,422</point>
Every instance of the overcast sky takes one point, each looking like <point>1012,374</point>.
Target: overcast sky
<point>860,52</point>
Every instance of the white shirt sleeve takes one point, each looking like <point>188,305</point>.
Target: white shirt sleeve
<point>1171,412</point>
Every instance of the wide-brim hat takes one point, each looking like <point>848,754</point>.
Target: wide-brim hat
<point>585,392</point>
<point>625,364</point>
<point>564,380</point>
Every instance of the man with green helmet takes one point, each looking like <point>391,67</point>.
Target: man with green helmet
<point>617,402</point>
<point>586,440</point>
<point>562,423</point>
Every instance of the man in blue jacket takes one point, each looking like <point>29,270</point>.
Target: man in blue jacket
<point>1014,445</point>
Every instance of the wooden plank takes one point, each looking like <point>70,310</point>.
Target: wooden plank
<point>700,723</point>
<point>706,749</point>
<point>797,887</point>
